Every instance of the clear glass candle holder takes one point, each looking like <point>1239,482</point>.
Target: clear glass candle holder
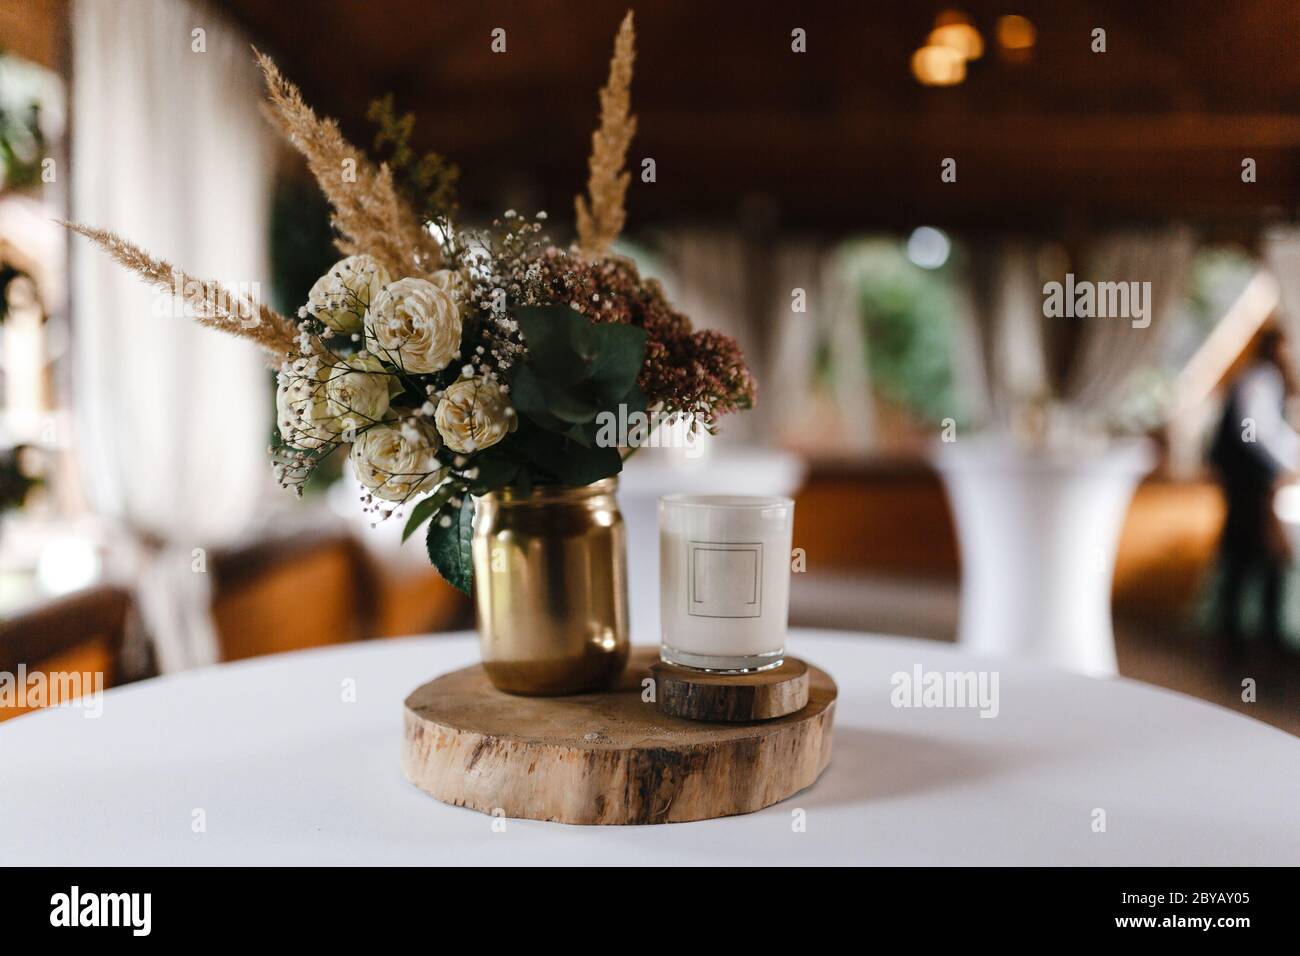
<point>724,565</point>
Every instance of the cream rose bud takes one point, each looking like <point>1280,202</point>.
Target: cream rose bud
<point>395,462</point>
<point>474,414</point>
<point>341,297</point>
<point>302,410</point>
<point>357,392</point>
<point>415,324</point>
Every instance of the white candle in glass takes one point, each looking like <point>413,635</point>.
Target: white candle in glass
<point>725,580</point>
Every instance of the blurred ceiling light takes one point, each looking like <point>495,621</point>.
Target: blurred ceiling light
<point>928,247</point>
<point>947,17</point>
<point>961,37</point>
<point>1016,33</point>
<point>938,66</point>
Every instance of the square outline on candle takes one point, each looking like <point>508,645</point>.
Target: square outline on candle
<point>754,607</point>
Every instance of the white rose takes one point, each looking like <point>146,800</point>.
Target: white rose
<point>357,392</point>
<point>449,281</point>
<point>416,325</point>
<point>341,296</point>
<point>302,410</point>
<point>395,463</point>
<point>474,414</point>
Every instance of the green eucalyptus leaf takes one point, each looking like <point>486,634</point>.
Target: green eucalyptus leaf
<point>620,352</point>
<point>554,406</point>
<point>569,463</point>
<point>583,433</point>
<point>570,407</point>
<point>576,373</point>
<point>559,341</point>
<point>633,400</point>
<point>526,392</point>
<point>582,466</point>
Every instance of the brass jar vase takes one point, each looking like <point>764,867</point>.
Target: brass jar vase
<point>550,585</point>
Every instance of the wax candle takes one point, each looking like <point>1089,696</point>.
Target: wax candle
<point>725,580</point>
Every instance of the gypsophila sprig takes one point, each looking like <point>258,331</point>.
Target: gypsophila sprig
<point>448,362</point>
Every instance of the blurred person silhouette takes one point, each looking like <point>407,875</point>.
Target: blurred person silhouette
<point>1254,450</point>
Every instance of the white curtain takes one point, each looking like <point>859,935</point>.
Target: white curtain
<point>1035,363</point>
<point>1001,304</point>
<point>785,382</point>
<point>1112,350</point>
<point>831,320</point>
<point>711,284</point>
<point>168,149</point>
<point>837,310</point>
<point>725,281</point>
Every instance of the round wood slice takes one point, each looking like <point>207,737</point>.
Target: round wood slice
<point>760,696</point>
<point>607,757</point>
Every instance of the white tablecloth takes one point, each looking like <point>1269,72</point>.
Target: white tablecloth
<point>280,769</point>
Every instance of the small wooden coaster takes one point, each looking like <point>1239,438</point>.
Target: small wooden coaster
<point>607,757</point>
<point>763,695</point>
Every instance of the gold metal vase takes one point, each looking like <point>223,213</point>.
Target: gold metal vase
<point>550,585</point>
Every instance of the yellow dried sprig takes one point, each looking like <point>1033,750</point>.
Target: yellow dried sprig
<point>600,219</point>
<point>213,304</point>
<point>369,215</point>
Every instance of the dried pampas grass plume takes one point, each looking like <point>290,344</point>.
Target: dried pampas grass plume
<point>369,215</point>
<point>214,305</point>
<point>600,223</point>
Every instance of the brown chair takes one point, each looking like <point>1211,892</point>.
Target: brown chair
<point>83,633</point>
<point>288,594</point>
<point>418,602</point>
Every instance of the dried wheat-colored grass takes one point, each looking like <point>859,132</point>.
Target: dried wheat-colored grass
<point>600,219</point>
<point>369,215</point>
<point>213,304</point>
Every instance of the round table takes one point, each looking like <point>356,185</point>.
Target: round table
<point>293,759</point>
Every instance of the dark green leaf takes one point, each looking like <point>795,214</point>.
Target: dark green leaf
<point>496,469</point>
<point>526,391</point>
<point>568,462</point>
<point>576,373</point>
<point>450,548</point>
<point>633,400</point>
<point>582,433</point>
<point>570,406</point>
<point>424,510</point>
<point>560,346</point>
<point>581,466</point>
<point>620,351</point>
<point>554,406</point>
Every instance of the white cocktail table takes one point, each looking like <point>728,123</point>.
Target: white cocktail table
<point>281,769</point>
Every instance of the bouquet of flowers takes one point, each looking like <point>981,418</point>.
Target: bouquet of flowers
<point>450,361</point>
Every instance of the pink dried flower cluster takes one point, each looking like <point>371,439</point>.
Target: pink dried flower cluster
<point>699,374</point>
